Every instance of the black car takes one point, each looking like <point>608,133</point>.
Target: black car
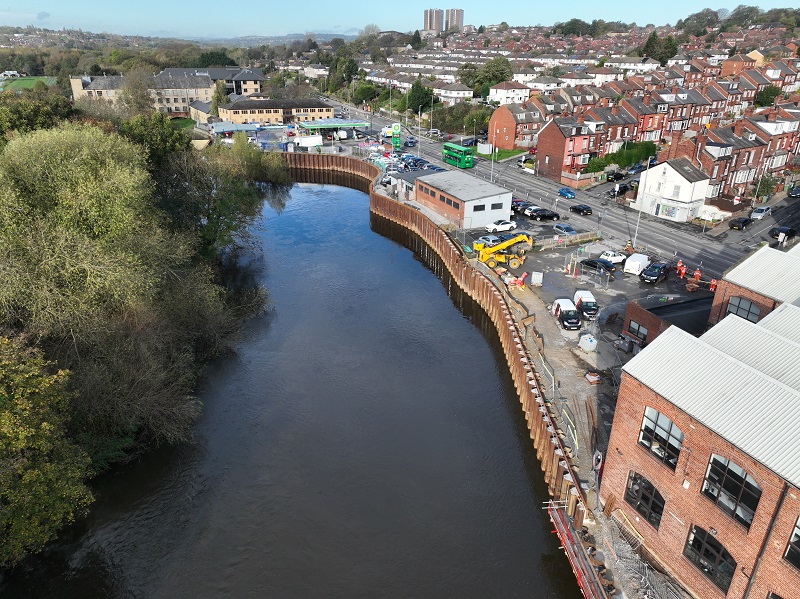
<point>581,209</point>
<point>598,265</point>
<point>470,142</point>
<point>794,192</point>
<point>620,190</point>
<point>544,214</point>
<point>775,232</point>
<point>655,273</point>
<point>617,176</point>
<point>409,143</point>
<point>740,224</point>
<point>520,208</point>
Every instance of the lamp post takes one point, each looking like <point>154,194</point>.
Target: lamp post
<point>419,130</point>
<point>494,149</point>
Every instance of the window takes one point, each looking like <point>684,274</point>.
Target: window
<point>479,208</point>
<point>774,596</point>
<point>744,308</point>
<point>441,197</point>
<point>497,206</point>
<point>792,554</point>
<point>644,498</point>
<point>732,489</point>
<point>705,552</point>
<point>637,330</point>
<point>661,437</point>
<point>455,205</point>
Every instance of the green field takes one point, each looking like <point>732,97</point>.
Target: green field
<point>182,123</point>
<point>20,83</point>
<point>501,154</point>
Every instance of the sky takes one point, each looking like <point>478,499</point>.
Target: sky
<point>207,19</point>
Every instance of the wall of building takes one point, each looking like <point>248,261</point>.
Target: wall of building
<point>503,124</point>
<point>641,316</point>
<point>550,152</point>
<point>684,504</point>
<point>726,290</point>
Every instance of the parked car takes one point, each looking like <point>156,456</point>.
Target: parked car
<point>409,143</point>
<point>636,169</point>
<point>544,214</point>
<point>794,192</point>
<point>655,273</point>
<point>501,225</point>
<point>567,314</point>
<point>739,224</point>
<point>599,266</point>
<point>775,232</point>
<point>615,176</point>
<point>613,257</point>
<point>566,192</point>
<point>386,181</point>
<point>530,209</point>
<point>434,132</point>
<point>761,212</point>
<point>470,142</point>
<point>563,229</point>
<point>488,240</point>
<point>507,236</point>
<point>581,209</point>
<point>620,190</point>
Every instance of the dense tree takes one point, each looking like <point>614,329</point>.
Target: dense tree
<point>416,40</point>
<point>364,93</point>
<point>349,70</point>
<point>135,94</point>
<point>419,96</point>
<point>494,71</point>
<point>698,23</point>
<point>214,58</point>
<point>42,472</point>
<point>218,98</point>
<point>156,133</point>
<point>767,96</point>
<point>467,73</point>
<point>660,49</point>
<point>30,111</point>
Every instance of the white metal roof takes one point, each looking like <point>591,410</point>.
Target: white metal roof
<point>770,272</point>
<point>768,351</point>
<point>783,320</point>
<point>751,410</point>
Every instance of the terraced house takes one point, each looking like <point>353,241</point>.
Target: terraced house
<point>274,112</point>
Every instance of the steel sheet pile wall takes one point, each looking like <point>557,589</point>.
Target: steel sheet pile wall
<point>558,472</point>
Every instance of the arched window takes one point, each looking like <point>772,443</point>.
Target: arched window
<point>661,437</point>
<point>644,498</point>
<point>708,554</point>
<point>732,489</point>
<point>744,308</point>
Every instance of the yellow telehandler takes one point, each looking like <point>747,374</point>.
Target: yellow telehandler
<point>500,253</point>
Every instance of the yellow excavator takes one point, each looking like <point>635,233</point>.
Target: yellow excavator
<point>492,256</point>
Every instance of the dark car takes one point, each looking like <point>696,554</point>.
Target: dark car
<point>740,224</point>
<point>617,176</point>
<point>409,143</point>
<point>544,214</point>
<point>794,192</point>
<point>470,142</point>
<point>655,273</point>
<point>600,266</point>
<point>636,169</point>
<point>521,207</point>
<point>620,190</point>
<point>775,232</point>
<point>581,209</point>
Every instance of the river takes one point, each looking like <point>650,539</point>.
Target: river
<point>363,440</point>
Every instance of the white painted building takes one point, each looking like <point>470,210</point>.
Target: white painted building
<point>673,190</point>
<point>509,92</point>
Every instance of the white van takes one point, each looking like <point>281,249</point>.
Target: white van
<point>635,264</point>
<point>567,314</point>
<point>586,304</point>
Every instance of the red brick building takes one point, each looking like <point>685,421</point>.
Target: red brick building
<point>565,146</point>
<point>703,460</point>
<point>515,125</point>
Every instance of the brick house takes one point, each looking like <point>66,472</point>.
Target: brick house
<point>702,461</point>
<point>465,201</point>
<point>736,64</point>
<point>515,125</point>
<point>565,146</point>
<point>752,289</point>
<point>275,112</point>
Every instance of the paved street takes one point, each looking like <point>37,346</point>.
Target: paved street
<point>712,252</point>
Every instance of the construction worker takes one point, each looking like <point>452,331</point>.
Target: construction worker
<point>679,265</point>
<point>682,271</point>
<point>712,286</point>
<point>697,274</point>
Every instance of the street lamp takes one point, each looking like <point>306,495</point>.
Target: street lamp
<point>419,130</point>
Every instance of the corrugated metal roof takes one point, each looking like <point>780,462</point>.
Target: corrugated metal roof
<point>763,349</point>
<point>751,410</point>
<point>784,320</point>
<point>770,272</point>
<point>463,186</point>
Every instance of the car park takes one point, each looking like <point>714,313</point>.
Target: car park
<point>761,212</point>
<point>613,257</point>
<point>615,176</point>
<point>566,192</point>
<point>599,266</point>
<point>775,232</point>
<point>581,209</point>
<point>501,225</point>
<point>655,273</point>
<point>794,192</point>
<point>488,240</point>
<point>544,214</point>
<point>739,224</point>
<point>564,229</point>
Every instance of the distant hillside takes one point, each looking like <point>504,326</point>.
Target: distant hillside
<point>249,41</point>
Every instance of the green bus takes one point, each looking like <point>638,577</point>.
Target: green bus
<point>457,155</point>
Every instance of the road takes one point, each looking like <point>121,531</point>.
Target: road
<point>713,254</point>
